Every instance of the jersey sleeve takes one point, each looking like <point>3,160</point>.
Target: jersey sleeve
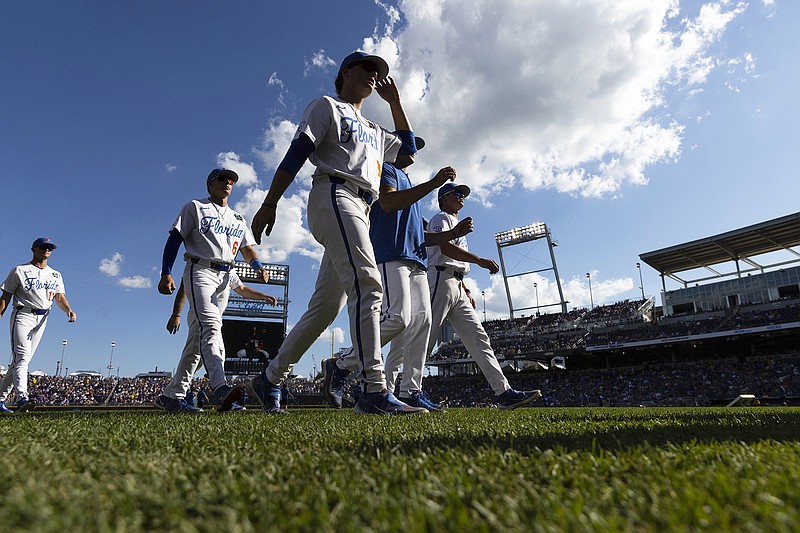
<point>316,121</point>
<point>391,145</point>
<point>61,287</point>
<point>186,221</point>
<point>235,281</point>
<point>439,223</point>
<point>389,177</point>
<point>247,238</point>
<point>11,284</point>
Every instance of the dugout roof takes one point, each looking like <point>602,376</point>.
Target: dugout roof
<point>738,245</point>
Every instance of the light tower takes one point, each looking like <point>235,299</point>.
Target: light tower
<point>516,236</point>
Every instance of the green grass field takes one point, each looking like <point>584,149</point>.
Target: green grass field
<point>612,469</point>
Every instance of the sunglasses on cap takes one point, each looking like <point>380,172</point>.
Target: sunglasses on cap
<point>225,179</point>
<point>457,193</point>
<point>45,247</point>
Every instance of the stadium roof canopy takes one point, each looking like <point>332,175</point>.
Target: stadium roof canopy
<point>738,245</point>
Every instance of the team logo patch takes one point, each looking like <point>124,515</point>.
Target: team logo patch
<point>238,217</point>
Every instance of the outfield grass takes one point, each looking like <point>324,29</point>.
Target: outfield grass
<point>614,469</point>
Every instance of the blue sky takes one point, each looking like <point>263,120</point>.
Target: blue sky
<point>624,126</point>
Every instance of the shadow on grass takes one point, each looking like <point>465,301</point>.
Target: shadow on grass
<point>699,428</point>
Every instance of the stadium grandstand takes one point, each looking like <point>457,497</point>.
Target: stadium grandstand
<point>739,299</point>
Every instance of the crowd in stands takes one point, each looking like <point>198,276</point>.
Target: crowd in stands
<point>92,390</point>
<point>698,383</point>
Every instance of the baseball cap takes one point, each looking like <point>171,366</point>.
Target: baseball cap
<point>450,187</point>
<point>217,172</point>
<point>420,142</point>
<point>359,57</point>
<point>43,241</point>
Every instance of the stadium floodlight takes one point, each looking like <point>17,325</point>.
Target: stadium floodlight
<point>531,232</point>
<point>520,235</point>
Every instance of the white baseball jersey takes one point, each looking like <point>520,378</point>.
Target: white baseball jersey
<point>33,286</point>
<point>212,232</point>
<point>235,282</point>
<point>347,145</point>
<point>440,222</point>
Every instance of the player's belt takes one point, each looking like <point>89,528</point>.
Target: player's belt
<point>362,193</point>
<point>456,274</point>
<point>32,310</point>
<point>222,267</point>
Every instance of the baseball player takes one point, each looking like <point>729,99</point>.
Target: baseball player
<point>34,286</point>
<point>450,298</point>
<point>399,238</point>
<point>174,398</point>
<point>212,234</point>
<point>348,151</point>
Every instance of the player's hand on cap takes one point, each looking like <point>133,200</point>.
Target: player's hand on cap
<point>489,265</point>
<point>443,176</point>
<point>387,89</point>
<point>166,285</point>
<point>174,324</point>
<point>463,227</point>
<point>263,221</point>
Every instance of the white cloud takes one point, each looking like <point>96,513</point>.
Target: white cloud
<point>319,61</point>
<point>110,266</point>
<point>135,282</point>
<point>171,168</point>
<point>275,80</point>
<point>548,94</point>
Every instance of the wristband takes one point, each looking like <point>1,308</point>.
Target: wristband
<point>175,316</point>
<point>256,264</point>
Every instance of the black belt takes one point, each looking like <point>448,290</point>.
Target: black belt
<point>456,274</point>
<point>222,267</point>
<point>362,193</point>
<point>33,310</point>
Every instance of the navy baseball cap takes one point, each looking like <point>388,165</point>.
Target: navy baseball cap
<point>420,142</point>
<point>44,241</point>
<point>360,57</point>
<point>450,187</point>
<point>217,172</point>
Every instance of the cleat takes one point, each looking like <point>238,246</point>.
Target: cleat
<point>267,394</point>
<point>225,396</point>
<point>511,399</point>
<point>26,404</point>
<point>351,395</point>
<point>172,405</point>
<point>385,403</point>
<point>4,410</point>
<point>420,399</point>
<point>333,382</point>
